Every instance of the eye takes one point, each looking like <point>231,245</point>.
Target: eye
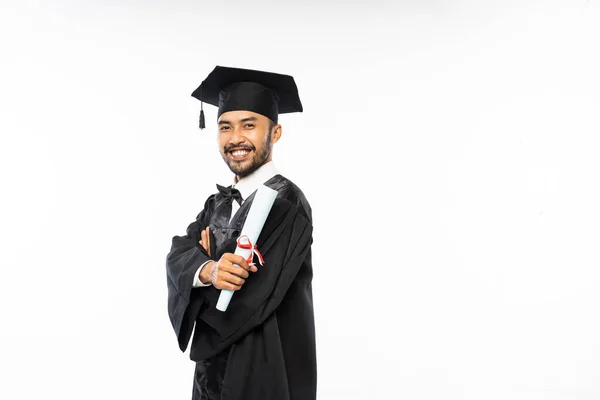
<point>249,126</point>
<point>224,127</point>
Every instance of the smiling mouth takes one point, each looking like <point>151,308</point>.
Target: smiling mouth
<point>239,154</point>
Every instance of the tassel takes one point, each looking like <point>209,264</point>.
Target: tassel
<point>202,124</point>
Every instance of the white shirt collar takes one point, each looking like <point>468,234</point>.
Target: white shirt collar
<point>248,184</point>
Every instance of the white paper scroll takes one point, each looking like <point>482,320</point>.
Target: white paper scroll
<point>255,220</point>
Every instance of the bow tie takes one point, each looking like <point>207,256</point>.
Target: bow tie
<point>230,194</point>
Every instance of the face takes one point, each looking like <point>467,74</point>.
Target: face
<point>246,140</point>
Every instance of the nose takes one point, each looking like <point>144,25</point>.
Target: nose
<point>236,135</point>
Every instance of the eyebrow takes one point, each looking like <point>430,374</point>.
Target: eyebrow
<point>222,122</point>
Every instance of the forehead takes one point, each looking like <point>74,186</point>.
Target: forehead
<point>233,117</point>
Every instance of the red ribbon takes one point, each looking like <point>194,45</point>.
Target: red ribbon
<point>248,246</point>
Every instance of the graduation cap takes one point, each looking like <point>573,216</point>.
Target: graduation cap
<point>264,93</point>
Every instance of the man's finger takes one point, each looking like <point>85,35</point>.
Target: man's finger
<point>231,278</point>
<point>235,270</point>
<point>236,259</point>
<point>240,272</point>
<point>203,239</point>
<point>208,240</point>
<point>228,286</point>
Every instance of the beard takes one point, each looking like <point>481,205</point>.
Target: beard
<point>246,167</point>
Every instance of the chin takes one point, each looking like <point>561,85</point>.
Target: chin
<point>239,170</point>
<point>244,169</point>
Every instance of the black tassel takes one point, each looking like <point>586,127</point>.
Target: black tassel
<point>202,124</point>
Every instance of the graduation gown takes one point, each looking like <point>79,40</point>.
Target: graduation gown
<point>263,346</point>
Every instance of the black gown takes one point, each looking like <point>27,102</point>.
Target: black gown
<point>263,346</point>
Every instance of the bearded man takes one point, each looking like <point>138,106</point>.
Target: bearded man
<point>263,345</point>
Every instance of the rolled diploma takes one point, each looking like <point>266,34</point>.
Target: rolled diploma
<point>255,220</point>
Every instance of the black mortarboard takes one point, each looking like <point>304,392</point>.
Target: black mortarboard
<point>232,89</point>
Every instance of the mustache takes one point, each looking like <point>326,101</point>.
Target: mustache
<point>231,147</point>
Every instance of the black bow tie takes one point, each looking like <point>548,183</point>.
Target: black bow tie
<point>230,194</point>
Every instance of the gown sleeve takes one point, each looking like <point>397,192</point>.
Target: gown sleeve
<point>284,243</point>
<point>185,257</point>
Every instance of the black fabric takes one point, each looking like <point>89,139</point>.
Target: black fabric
<point>265,93</point>
<point>230,193</point>
<point>208,377</point>
<point>263,346</point>
<point>249,96</point>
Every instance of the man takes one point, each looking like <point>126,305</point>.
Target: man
<point>263,345</point>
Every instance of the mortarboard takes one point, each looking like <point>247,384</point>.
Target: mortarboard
<point>232,89</point>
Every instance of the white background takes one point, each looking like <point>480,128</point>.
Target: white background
<point>449,151</point>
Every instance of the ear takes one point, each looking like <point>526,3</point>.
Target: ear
<point>276,134</point>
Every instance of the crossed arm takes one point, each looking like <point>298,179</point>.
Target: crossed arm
<point>230,272</point>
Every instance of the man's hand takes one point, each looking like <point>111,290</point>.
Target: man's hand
<point>205,239</point>
<point>230,272</point>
